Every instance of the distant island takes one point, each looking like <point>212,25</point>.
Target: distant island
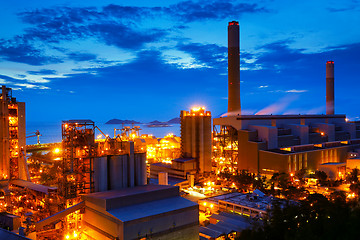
<point>118,121</point>
<point>154,123</point>
<point>174,121</point>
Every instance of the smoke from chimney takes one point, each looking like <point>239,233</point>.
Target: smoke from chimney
<point>234,68</point>
<point>330,104</point>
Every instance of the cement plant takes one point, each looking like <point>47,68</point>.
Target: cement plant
<point>221,177</point>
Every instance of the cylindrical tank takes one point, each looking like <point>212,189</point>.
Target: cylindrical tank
<point>100,174</point>
<point>140,169</point>
<point>234,68</point>
<point>330,96</point>
<point>116,171</point>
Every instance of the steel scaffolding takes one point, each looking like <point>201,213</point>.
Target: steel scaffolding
<point>79,150</point>
<point>225,142</point>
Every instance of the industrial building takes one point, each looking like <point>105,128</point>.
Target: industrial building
<point>195,147</point>
<point>13,137</point>
<point>142,212</point>
<point>253,204</point>
<point>196,137</point>
<point>280,143</point>
<point>114,172</point>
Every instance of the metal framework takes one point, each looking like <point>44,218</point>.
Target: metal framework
<point>79,150</point>
<point>225,142</point>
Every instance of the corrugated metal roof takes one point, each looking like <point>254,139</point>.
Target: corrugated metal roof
<point>210,232</point>
<point>220,228</point>
<point>32,186</point>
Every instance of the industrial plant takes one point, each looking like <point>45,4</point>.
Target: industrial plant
<point>138,186</point>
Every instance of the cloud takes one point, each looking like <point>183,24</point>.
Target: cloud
<point>109,26</point>
<point>23,52</point>
<point>120,25</point>
<point>211,55</point>
<point>296,91</point>
<point>32,86</point>
<point>42,72</point>
<point>79,57</point>
<point>27,83</point>
<point>189,11</point>
<point>122,36</point>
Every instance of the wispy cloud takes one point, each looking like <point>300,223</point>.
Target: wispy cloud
<point>296,91</point>
<point>42,72</point>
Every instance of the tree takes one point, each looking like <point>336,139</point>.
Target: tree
<point>355,188</point>
<point>300,175</point>
<point>353,176</point>
<point>314,218</point>
<point>243,179</point>
<point>321,176</point>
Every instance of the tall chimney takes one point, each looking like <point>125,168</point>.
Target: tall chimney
<point>233,68</point>
<point>330,107</point>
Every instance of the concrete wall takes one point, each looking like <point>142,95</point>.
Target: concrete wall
<point>292,162</point>
<point>103,224</point>
<point>328,129</point>
<point>348,127</point>
<point>268,134</point>
<point>301,131</point>
<point>159,226</point>
<point>248,151</point>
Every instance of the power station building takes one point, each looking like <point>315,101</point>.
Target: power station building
<point>195,147</point>
<point>282,143</point>
<point>13,137</point>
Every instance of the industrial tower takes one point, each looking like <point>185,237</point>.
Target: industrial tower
<point>196,137</point>
<point>79,150</point>
<point>13,137</point>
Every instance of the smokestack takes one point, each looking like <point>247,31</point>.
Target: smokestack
<point>330,107</point>
<point>233,68</point>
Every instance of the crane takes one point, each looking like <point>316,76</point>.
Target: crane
<point>36,134</point>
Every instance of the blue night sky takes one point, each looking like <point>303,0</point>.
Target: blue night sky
<point>147,60</point>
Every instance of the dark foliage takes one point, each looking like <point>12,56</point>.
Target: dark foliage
<point>312,219</point>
